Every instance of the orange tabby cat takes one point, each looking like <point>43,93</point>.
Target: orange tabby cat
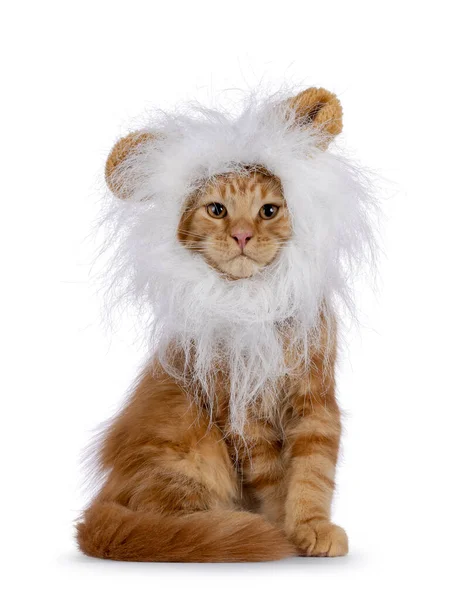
<point>181,483</point>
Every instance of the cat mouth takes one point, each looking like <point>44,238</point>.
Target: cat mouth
<point>242,255</point>
<point>240,266</point>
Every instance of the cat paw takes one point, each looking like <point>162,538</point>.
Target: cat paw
<point>320,538</point>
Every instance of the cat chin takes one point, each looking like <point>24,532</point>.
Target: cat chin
<point>241,267</point>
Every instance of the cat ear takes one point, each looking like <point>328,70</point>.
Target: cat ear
<point>321,109</point>
<point>116,166</point>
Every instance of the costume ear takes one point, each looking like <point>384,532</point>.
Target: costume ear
<point>116,168</point>
<point>321,109</point>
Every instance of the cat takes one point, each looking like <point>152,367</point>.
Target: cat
<point>227,448</point>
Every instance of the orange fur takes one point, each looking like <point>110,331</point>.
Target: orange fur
<point>180,485</point>
<point>183,487</point>
<point>243,196</point>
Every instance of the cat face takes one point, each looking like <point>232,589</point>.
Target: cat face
<point>238,223</point>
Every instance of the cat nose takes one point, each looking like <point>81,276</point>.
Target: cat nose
<point>242,237</point>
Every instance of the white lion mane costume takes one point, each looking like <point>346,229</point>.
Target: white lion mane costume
<point>244,325</point>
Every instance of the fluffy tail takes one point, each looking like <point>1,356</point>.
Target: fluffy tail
<point>112,531</point>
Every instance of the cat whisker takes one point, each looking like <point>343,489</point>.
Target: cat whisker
<point>192,233</point>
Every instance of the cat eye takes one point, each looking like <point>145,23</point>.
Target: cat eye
<point>216,210</point>
<point>268,211</point>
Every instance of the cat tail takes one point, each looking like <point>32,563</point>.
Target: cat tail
<point>110,530</point>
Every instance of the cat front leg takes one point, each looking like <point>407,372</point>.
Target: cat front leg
<point>313,446</point>
<point>263,470</point>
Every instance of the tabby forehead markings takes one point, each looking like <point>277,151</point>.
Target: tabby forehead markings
<point>217,240</point>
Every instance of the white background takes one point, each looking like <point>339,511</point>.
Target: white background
<point>74,76</point>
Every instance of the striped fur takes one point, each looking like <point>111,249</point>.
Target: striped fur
<point>167,462</point>
<point>183,486</point>
<point>181,481</point>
